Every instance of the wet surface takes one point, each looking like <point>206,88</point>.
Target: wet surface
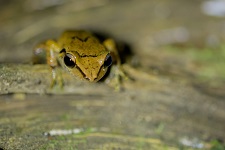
<point>176,97</point>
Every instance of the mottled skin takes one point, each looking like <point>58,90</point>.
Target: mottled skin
<point>81,53</point>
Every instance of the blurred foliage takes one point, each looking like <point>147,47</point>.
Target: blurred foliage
<point>206,63</point>
<point>216,145</point>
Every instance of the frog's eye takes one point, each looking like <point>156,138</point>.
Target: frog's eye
<point>69,60</point>
<point>108,61</point>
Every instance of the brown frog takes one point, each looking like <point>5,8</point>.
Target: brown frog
<point>83,55</point>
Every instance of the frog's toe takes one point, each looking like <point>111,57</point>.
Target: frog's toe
<point>53,83</point>
<point>116,77</point>
<point>57,82</point>
<point>115,83</point>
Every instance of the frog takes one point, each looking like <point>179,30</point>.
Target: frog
<point>83,55</point>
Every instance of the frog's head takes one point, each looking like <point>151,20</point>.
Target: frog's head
<point>89,67</point>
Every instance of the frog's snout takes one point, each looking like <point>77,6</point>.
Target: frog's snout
<point>92,78</point>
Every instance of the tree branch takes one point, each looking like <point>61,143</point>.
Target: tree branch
<point>27,78</point>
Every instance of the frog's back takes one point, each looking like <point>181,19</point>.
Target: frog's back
<point>83,42</point>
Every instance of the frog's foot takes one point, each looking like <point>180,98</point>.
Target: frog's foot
<point>116,76</point>
<point>57,80</point>
<point>57,83</point>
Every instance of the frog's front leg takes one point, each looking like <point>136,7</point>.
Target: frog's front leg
<point>116,72</point>
<point>51,49</point>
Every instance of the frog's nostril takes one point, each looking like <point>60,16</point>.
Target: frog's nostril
<point>91,79</point>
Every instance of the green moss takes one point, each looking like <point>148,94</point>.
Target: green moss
<point>207,63</point>
<point>216,145</point>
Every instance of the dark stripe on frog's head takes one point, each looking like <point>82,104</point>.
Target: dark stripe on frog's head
<point>82,40</point>
<point>63,50</point>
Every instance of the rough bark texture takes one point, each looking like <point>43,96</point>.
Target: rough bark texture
<point>174,100</point>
